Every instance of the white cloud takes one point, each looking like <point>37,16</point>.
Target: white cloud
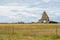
<point>46,1</point>
<point>29,14</point>
<point>16,4</point>
<point>7,11</point>
<point>37,3</point>
<point>19,9</point>
<point>11,11</point>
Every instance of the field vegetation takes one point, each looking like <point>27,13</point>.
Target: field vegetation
<point>29,31</point>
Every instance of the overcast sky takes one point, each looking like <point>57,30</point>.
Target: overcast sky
<point>28,10</point>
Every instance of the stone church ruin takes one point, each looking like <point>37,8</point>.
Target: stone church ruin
<point>45,18</point>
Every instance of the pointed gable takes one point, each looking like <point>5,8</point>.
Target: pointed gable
<point>44,15</point>
<point>44,18</point>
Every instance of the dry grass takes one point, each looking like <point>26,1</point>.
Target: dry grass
<point>29,31</point>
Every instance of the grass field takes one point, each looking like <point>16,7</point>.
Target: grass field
<point>29,32</point>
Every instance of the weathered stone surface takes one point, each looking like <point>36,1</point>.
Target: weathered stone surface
<point>44,18</point>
